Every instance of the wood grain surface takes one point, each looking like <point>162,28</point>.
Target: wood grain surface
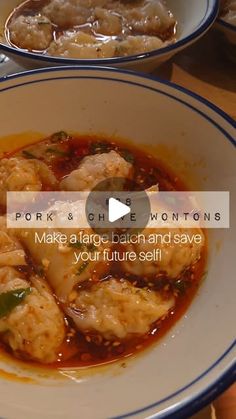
<point>204,69</point>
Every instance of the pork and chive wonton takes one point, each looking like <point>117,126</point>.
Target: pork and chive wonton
<point>91,28</point>
<point>31,323</point>
<point>58,312</point>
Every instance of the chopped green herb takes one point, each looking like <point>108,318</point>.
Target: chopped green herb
<point>181,285</point>
<point>76,245</point>
<point>56,151</point>
<point>28,154</point>
<point>128,156</point>
<point>100,147</point>
<point>43,22</point>
<point>59,136</point>
<point>82,268</point>
<point>91,247</point>
<point>204,275</point>
<point>39,270</point>
<point>11,299</point>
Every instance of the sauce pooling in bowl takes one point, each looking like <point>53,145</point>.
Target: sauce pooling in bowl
<point>95,29</point>
<point>89,313</point>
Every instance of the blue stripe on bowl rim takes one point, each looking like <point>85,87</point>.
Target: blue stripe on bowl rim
<point>212,9</point>
<point>225,24</point>
<point>195,403</point>
<point>138,74</point>
<point>192,404</point>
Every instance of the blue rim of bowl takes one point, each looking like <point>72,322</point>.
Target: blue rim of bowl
<point>227,25</point>
<point>204,25</point>
<point>192,404</point>
<point>141,75</point>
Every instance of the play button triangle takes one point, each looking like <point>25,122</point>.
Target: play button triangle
<point>116,210</point>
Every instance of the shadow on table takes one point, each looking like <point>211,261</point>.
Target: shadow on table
<point>198,60</point>
<point>165,70</point>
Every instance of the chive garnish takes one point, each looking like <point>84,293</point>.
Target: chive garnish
<point>28,154</point>
<point>11,299</point>
<point>82,268</point>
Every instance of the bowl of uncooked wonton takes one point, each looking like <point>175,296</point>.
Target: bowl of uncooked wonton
<point>104,337</point>
<point>134,34</point>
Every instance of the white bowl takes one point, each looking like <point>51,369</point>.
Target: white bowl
<point>195,360</point>
<point>194,19</point>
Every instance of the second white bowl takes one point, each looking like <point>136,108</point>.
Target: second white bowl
<point>194,19</point>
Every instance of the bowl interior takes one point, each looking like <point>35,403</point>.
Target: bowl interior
<point>197,143</point>
<point>190,15</point>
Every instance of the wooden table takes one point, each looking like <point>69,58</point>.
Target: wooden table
<point>205,70</point>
